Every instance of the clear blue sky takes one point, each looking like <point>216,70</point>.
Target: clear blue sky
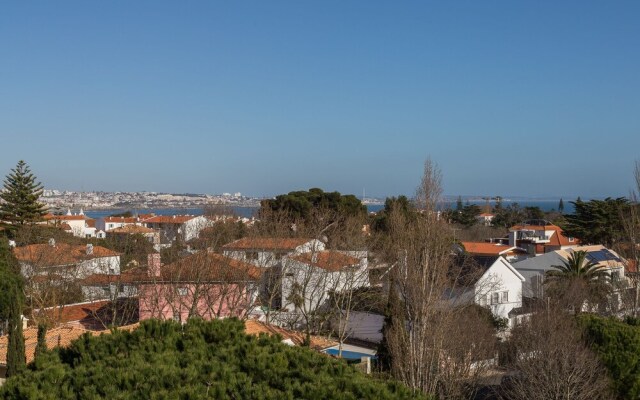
<point>510,98</point>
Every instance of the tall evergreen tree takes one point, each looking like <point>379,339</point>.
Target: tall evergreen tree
<point>459,204</point>
<point>11,307</point>
<point>41,346</point>
<point>561,206</point>
<point>21,195</point>
<point>15,350</point>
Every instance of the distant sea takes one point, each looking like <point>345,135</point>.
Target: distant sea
<point>248,212</point>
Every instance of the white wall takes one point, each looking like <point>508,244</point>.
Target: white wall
<point>499,279</point>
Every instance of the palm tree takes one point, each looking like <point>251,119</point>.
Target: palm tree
<point>577,280</point>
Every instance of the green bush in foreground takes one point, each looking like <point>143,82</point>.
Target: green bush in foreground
<point>164,360</point>
<point>618,345</point>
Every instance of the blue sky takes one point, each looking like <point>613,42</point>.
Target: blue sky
<point>509,98</point>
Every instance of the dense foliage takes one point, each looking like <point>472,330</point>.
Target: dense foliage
<point>300,204</point>
<point>11,300</point>
<point>21,194</point>
<point>618,345</point>
<point>164,360</point>
<point>597,221</point>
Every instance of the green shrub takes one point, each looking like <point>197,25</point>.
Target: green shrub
<point>164,360</point>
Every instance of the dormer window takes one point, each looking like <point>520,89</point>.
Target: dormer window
<point>570,239</point>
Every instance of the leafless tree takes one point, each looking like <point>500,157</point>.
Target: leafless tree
<point>423,354</point>
<point>550,361</point>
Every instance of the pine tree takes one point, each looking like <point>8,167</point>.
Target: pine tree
<point>21,194</point>
<point>561,206</point>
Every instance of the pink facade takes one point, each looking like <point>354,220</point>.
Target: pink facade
<point>205,285</point>
<point>179,301</point>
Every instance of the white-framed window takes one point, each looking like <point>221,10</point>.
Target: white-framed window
<point>505,297</point>
<point>495,298</point>
<point>182,291</point>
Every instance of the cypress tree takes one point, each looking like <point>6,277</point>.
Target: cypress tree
<point>15,350</point>
<point>11,307</point>
<point>561,206</point>
<point>21,194</point>
<point>41,346</point>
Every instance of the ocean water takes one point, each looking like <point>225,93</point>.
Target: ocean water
<point>251,211</point>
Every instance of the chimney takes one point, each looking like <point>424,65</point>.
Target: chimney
<point>12,244</point>
<point>153,264</point>
<point>512,238</point>
<point>89,249</point>
<point>52,242</point>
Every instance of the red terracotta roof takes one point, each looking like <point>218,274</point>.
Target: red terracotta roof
<point>169,219</point>
<point>124,220</point>
<point>131,229</point>
<point>61,254</point>
<point>72,312</point>
<point>488,249</point>
<point>328,260</point>
<point>208,267</point>
<point>56,337</point>
<point>266,244</point>
<point>253,327</point>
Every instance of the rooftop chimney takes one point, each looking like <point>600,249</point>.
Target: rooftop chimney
<point>52,242</point>
<point>153,264</point>
<point>89,249</point>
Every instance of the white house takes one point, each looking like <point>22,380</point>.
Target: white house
<point>539,237</point>
<point>268,252</point>
<point>534,269</point>
<point>496,285</point>
<point>109,223</point>
<point>485,219</point>
<point>308,278</point>
<point>65,260</point>
<point>77,224</point>
<point>186,227</point>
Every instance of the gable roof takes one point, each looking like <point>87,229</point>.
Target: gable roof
<point>207,267</point>
<point>46,255</point>
<point>247,243</point>
<point>328,260</point>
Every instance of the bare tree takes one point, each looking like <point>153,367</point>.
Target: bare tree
<point>551,361</point>
<point>423,353</point>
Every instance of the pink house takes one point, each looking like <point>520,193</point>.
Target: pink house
<point>205,285</point>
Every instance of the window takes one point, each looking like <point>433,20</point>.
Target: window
<point>182,291</point>
<point>615,276</point>
<point>176,317</point>
<point>251,255</point>
<point>505,297</point>
<point>495,298</point>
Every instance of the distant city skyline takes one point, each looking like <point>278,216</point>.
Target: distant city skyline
<point>514,99</point>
